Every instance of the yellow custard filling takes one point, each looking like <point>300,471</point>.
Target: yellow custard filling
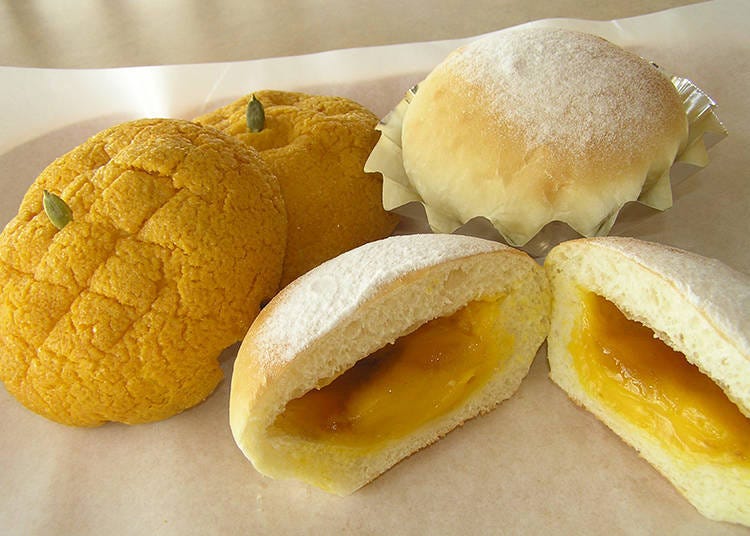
<point>636,375</point>
<point>404,385</point>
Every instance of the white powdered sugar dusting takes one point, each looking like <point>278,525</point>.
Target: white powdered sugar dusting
<point>314,303</point>
<point>564,87</point>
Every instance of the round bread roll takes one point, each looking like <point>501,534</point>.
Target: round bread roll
<point>317,147</point>
<point>655,342</point>
<point>381,351</point>
<point>534,125</point>
<point>177,235</point>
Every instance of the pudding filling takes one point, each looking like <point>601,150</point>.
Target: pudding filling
<point>405,385</point>
<point>622,364</point>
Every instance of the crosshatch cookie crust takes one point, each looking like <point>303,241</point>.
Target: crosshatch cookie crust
<point>177,235</point>
<point>317,147</point>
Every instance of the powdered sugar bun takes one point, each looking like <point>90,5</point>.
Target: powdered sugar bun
<point>319,326</point>
<point>534,125</point>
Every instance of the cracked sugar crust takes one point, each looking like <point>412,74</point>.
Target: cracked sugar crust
<point>317,147</point>
<point>178,234</point>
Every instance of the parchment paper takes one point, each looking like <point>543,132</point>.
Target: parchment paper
<point>536,465</point>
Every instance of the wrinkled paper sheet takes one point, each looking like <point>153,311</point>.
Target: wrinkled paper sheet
<point>537,464</point>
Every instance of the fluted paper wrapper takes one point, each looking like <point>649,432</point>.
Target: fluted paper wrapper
<point>399,195</point>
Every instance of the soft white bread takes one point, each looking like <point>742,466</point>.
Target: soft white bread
<point>533,125</point>
<point>328,320</point>
<point>700,308</point>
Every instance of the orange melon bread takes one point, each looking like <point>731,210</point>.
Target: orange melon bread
<point>379,352</point>
<point>654,341</point>
<point>174,236</point>
<point>317,146</point>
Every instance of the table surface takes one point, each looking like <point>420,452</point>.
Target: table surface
<point>118,33</point>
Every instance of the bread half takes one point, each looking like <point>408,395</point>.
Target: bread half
<point>654,341</point>
<point>381,351</point>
